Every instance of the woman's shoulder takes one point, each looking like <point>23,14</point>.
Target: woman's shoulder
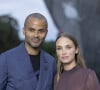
<point>89,73</point>
<point>92,80</point>
<point>86,71</point>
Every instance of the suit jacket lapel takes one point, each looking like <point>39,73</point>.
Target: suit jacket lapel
<point>25,59</point>
<point>25,63</point>
<point>43,72</point>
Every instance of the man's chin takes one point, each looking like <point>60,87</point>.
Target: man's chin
<point>35,46</point>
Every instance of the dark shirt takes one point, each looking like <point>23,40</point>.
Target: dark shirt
<point>35,60</point>
<point>78,79</point>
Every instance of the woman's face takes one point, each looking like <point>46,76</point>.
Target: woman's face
<point>65,50</point>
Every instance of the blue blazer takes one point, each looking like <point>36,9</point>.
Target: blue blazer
<point>16,71</point>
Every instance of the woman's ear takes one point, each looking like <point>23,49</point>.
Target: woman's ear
<point>77,51</point>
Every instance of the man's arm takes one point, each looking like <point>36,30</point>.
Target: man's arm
<point>3,72</point>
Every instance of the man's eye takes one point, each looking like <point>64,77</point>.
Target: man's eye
<point>42,31</point>
<point>31,30</point>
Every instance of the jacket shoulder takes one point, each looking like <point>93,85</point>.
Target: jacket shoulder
<point>12,51</point>
<point>48,56</point>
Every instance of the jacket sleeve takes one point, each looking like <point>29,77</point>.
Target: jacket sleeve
<point>3,72</point>
<point>92,81</point>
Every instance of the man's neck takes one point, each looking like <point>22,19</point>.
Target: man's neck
<point>32,51</point>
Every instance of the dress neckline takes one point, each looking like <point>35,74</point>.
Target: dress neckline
<point>72,70</point>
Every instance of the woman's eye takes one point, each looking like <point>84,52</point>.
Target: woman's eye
<point>58,48</point>
<point>68,47</point>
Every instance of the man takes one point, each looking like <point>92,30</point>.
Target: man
<point>27,67</point>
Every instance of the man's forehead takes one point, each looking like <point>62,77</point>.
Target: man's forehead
<point>36,21</point>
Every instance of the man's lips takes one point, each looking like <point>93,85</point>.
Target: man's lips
<point>35,40</point>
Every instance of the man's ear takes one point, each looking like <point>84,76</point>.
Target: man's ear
<point>47,30</point>
<point>23,31</point>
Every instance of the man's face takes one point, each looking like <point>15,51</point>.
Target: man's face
<point>35,32</point>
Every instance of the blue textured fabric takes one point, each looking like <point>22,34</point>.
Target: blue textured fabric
<point>16,72</point>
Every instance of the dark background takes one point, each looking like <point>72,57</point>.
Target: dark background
<point>85,27</point>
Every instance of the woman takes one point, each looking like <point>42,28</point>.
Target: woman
<point>72,73</point>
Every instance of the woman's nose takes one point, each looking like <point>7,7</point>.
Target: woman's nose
<point>64,51</point>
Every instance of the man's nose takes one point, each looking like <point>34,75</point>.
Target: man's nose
<point>36,34</point>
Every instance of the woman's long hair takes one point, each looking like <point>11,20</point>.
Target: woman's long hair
<point>78,57</point>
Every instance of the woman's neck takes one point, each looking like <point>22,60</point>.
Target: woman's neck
<point>68,67</point>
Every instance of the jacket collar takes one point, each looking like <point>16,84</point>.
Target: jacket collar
<point>44,66</point>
